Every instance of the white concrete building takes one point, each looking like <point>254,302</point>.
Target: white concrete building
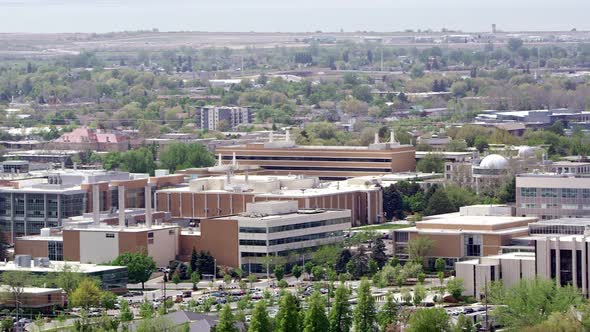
<point>509,268</point>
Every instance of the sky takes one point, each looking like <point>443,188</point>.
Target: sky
<point>290,16</point>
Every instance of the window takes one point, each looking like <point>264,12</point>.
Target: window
<point>569,193</point>
<point>401,236</point>
<point>472,245</point>
<point>150,235</point>
<point>586,193</point>
<point>569,206</point>
<point>548,192</point>
<point>528,192</point>
<point>528,206</point>
<point>110,235</point>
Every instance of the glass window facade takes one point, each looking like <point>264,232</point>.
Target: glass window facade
<point>528,192</point>
<point>472,245</point>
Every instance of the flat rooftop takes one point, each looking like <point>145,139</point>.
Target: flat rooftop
<point>460,223</point>
<point>566,221</point>
<point>288,216</point>
<point>58,266</point>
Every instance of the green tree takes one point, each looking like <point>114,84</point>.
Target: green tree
<point>481,144</point>
<point>279,272</point>
<point>431,163</point>
<point>419,294</point>
<point>68,279</point>
<point>388,313</point>
<point>440,264</point>
<point>315,316</point>
<point>287,319</point>
<point>429,320</point>
<point>364,313</point>
<point>86,295</point>
<point>146,309</point>
<point>260,321</point>
<point>108,300</point>
<point>392,203</point>
<point>125,314</point>
<point>464,324</point>
<point>531,302</point>
<point>139,265</point>
<point>195,278</point>
<point>227,322</point>
<point>340,316</point>
<point>180,156</point>
<point>378,252</point>
<point>439,203</point>
<point>194,259</point>
<point>296,271</point>
<point>176,278</point>
<point>419,248</point>
<point>455,287</point>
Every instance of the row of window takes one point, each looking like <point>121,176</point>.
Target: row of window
<point>302,238</point>
<point>290,158</point>
<point>555,206</point>
<point>285,228</point>
<point>555,192</point>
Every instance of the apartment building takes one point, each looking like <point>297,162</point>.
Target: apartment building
<point>222,118</point>
<point>222,196</point>
<point>476,231</point>
<point>273,228</point>
<point>327,162</point>
<point>553,195</point>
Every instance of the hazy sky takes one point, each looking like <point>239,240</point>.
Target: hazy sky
<point>293,15</point>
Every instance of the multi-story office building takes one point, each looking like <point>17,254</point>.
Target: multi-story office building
<point>273,228</point>
<point>326,162</point>
<point>552,195</point>
<point>221,196</point>
<point>222,118</point>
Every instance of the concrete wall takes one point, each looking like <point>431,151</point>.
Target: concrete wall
<point>97,248</point>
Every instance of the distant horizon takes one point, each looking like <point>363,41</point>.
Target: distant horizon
<point>263,16</point>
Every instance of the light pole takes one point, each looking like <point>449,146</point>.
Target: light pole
<point>214,270</point>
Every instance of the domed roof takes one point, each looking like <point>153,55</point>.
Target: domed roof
<point>494,161</point>
<point>526,152</point>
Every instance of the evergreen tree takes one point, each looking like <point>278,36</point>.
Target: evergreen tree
<point>343,259</point>
<point>260,321</point>
<point>340,316</point>
<point>364,313</point>
<point>227,322</point>
<point>194,259</point>
<point>378,252</point>
<point>315,315</point>
<point>388,313</point>
<point>392,203</point>
<point>287,319</point>
<point>439,203</point>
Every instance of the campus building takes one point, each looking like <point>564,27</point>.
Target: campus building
<point>327,162</point>
<point>112,278</point>
<point>47,198</point>
<point>221,196</point>
<point>553,195</point>
<point>509,268</point>
<point>273,228</point>
<point>222,117</point>
<point>475,231</point>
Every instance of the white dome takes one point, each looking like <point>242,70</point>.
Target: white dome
<point>526,152</point>
<point>494,161</point>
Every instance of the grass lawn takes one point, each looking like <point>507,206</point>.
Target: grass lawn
<point>380,227</point>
